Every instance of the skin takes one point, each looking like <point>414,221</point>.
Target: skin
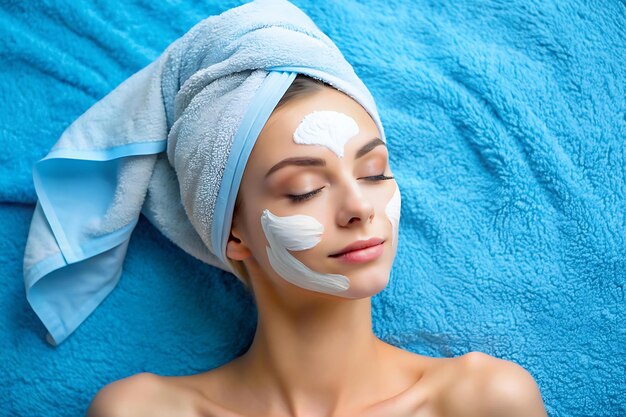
<point>298,232</point>
<point>315,354</point>
<point>300,332</point>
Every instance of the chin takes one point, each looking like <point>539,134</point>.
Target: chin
<point>367,282</point>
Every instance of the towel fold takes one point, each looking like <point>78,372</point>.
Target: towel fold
<point>170,142</point>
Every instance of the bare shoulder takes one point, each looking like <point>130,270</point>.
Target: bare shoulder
<point>482,385</point>
<point>115,398</point>
<point>209,390</point>
<point>141,395</point>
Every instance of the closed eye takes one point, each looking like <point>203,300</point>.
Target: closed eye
<point>302,197</point>
<point>380,177</point>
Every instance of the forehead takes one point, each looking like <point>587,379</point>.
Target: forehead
<point>276,137</point>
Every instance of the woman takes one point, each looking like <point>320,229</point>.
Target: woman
<point>314,352</point>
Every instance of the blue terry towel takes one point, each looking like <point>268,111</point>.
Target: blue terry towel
<point>506,124</point>
<point>170,142</point>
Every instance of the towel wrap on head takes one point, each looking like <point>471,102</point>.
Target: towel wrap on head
<point>171,142</point>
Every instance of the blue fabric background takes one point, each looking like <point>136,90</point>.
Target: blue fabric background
<point>506,123</point>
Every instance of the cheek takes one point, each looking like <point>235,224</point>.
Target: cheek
<point>393,205</point>
<point>380,196</point>
<point>297,232</point>
<point>288,237</point>
<point>392,210</point>
<point>256,240</point>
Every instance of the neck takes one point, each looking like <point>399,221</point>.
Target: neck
<point>314,356</point>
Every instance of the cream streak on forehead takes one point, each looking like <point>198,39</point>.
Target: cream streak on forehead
<point>328,128</point>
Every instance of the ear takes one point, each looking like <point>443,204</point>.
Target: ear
<point>235,248</point>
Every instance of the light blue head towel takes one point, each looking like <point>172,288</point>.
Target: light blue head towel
<point>170,142</point>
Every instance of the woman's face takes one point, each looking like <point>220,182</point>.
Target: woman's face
<point>337,190</point>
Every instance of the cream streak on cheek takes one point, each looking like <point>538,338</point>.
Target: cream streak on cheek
<point>328,128</point>
<point>392,210</point>
<point>298,232</point>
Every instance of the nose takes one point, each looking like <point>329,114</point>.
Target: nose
<point>356,208</point>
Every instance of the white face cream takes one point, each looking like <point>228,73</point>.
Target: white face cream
<point>392,210</point>
<point>294,233</point>
<point>328,128</point>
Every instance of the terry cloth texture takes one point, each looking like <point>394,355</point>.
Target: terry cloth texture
<point>506,125</point>
<point>171,142</point>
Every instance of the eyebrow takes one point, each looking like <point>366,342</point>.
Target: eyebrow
<point>318,162</point>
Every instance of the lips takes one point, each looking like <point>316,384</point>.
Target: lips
<point>359,244</point>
